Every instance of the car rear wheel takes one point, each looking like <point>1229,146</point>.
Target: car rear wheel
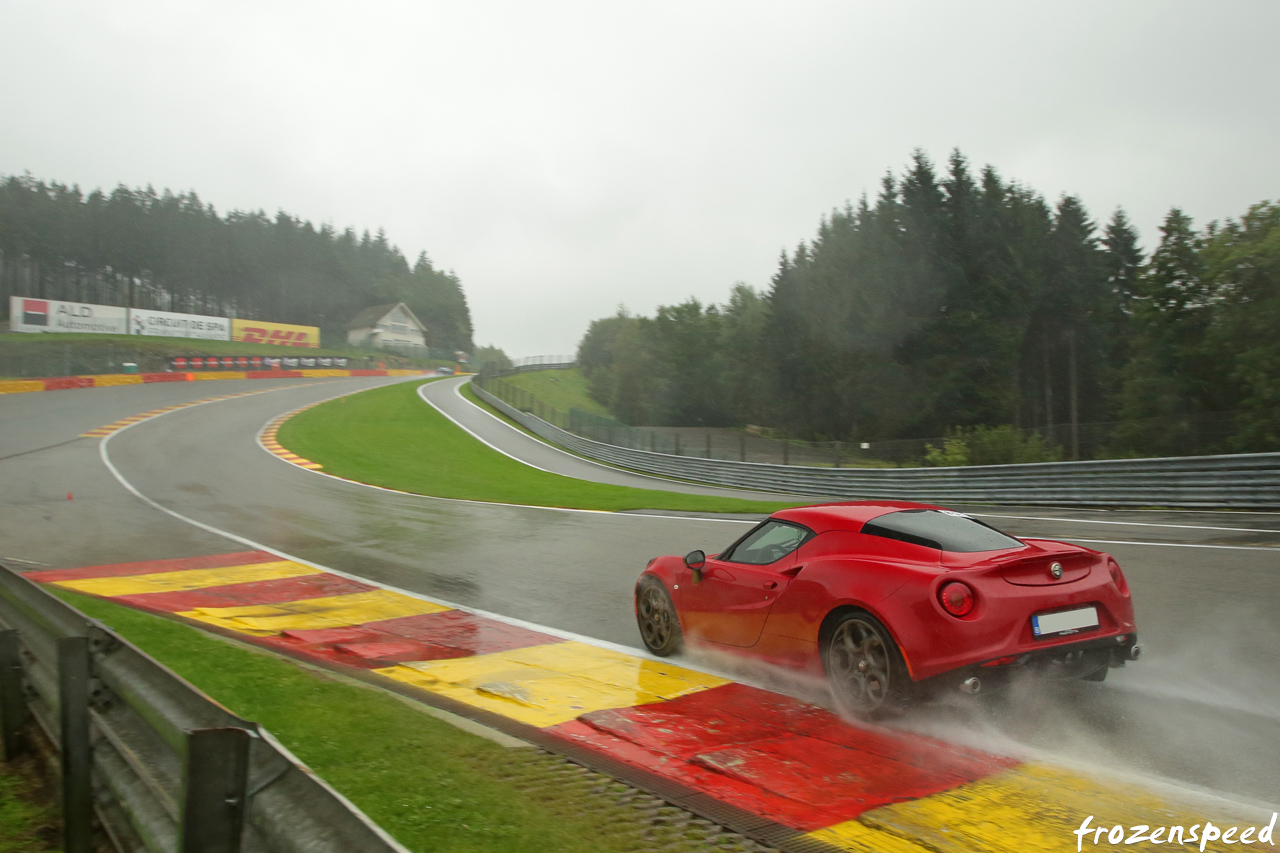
<point>866,672</point>
<point>656,616</point>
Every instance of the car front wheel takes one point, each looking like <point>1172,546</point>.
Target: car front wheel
<point>656,616</point>
<point>867,675</point>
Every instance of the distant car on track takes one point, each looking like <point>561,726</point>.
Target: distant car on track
<point>889,600</point>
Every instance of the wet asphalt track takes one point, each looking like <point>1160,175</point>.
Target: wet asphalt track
<point>1203,707</point>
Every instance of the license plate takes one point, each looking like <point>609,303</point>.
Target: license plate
<point>1064,622</point>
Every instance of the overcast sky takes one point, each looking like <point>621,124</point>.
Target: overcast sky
<point>567,158</point>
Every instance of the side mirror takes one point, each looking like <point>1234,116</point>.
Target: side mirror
<point>695,560</point>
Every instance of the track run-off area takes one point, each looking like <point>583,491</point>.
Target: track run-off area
<point>1197,720</point>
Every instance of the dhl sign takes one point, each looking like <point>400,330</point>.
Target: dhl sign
<point>283,334</point>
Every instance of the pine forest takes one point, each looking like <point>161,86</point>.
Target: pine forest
<point>172,252</point>
<point>964,307</point>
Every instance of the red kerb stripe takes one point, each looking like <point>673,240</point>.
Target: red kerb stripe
<point>275,591</point>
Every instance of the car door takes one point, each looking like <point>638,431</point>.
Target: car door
<point>730,602</point>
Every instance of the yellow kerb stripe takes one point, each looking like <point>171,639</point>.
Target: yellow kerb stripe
<point>1031,807</point>
<point>20,386</point>
<point>223,374</point>
<point>335,611</point>
<point>188,580</point>
<point>863,839</point>
<point>554,683</point>
<point>111,379</point>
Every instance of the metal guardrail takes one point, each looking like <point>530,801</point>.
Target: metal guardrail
<point>535,362</point>
<point>1244,481</point>
<point>164,767</point>
<point>545,362</point>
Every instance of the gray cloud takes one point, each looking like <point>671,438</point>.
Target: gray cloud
<point>564,158</point>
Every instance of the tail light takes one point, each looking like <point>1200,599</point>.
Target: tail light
<point>956,598</point>
<point>1117,577</point>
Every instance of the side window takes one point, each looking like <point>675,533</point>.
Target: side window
<point>768,543</point>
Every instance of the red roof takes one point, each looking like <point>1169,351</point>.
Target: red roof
<point>850,515</point>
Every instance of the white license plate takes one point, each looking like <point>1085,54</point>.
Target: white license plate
<point>1064,622</point>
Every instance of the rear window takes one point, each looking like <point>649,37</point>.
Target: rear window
<point>941,529</point>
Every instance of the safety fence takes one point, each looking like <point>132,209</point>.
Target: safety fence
<point>751,445</point>
<point>705,442</point>
<point>533,362</point>
<point>160,765</point>
<point>1183,434</point>
<point>1250,480</point>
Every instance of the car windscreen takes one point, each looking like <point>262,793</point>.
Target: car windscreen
<point>941,529</point>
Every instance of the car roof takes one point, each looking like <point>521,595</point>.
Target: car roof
<point>848,515</point>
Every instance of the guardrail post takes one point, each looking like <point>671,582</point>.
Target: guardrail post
<point>13,705</point>
<point>77,786</point>
<point>215,778</point>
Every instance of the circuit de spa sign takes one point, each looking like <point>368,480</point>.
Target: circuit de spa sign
<point>53,315</point>
<point>172,325</point>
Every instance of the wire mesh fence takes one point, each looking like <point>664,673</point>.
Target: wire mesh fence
<point>1182,435</point>
<point>736,445</point>
<point>29,362</point>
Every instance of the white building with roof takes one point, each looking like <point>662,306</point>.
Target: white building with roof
<point>391,326</point>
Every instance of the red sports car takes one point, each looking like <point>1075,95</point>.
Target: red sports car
<point>887,599</point>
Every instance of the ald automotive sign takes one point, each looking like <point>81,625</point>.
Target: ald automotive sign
<point>51,315</point>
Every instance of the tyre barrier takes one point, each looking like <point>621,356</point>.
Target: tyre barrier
<point>1239,481</point>
<point>160,765</point>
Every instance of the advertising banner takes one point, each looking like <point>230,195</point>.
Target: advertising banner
<point>168,324</point>
<point>283,334</point>
<point>52,315</point>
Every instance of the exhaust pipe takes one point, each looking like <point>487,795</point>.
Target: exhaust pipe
<point>1135,652</point>
<point>970,685</point>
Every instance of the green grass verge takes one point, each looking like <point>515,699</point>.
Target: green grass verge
<point>431,785</point>
<point>26,823</point>
<point>389,437</point>
<point>563,389</point>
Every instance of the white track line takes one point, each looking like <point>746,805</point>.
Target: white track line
<point>105,456</point>
<point>460,425</point>
<point>608,512</point>
<point>729,520</point>
<point>498,617</point>
<point>457,389</point>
